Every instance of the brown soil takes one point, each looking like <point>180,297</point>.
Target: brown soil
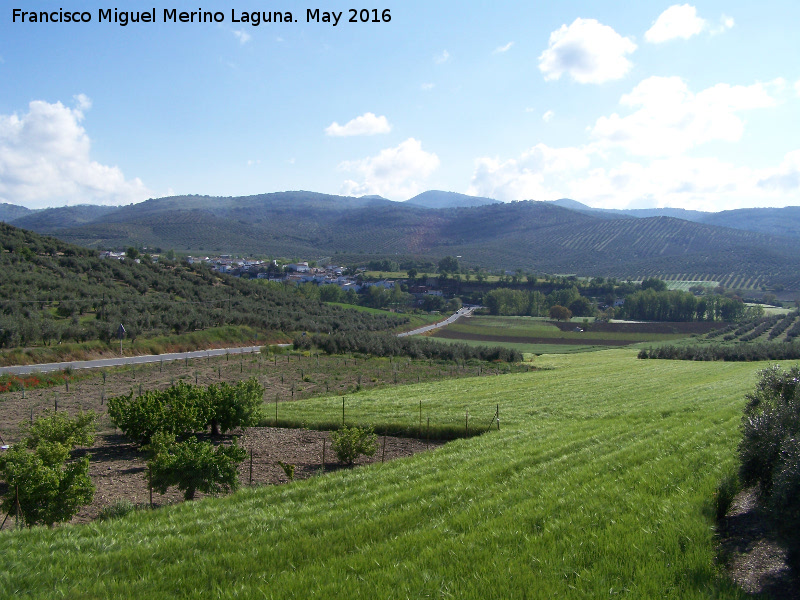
<point>118,469</point>
<point>752,553</point>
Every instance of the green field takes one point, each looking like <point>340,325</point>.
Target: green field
<point>540,336</point>
<point>599,483</point>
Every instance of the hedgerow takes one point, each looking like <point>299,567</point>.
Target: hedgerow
<point>379,344</point>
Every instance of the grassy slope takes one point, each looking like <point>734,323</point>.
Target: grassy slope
<point>598,484</point>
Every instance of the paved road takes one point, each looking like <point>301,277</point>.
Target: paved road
<point>127,360</point>
<point>151,358</point>
<point>464,312</point>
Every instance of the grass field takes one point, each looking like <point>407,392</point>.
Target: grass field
<point>535,335</point>
<point>599,483</point>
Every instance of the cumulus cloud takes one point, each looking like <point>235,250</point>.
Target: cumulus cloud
<point>395,173</point>
<point>668,118</point>
<point>501,49</point>
<point>587,51</point>
<point>786,177</point>
<point>427,87</point>
<point>548,116</point>
<point>725,23</point>
<point>45,160</point>
<point>242,36</point>
<point>678,21</point>
<point>530,176</point>
<point>366,124</point>
<point>442,58</point>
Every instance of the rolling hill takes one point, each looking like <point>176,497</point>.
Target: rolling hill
<point>532,236</point>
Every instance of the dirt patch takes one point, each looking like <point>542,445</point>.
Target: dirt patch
<point>752,553</point>
<point>119,471</point>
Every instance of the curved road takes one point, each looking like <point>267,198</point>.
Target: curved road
<point>151,358</point>
<point>463,312</point>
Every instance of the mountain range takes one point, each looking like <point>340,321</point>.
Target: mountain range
<point>554,237</point>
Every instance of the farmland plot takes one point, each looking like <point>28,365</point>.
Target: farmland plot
<point>599,482</point>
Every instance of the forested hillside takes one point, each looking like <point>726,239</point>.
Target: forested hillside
<point>532,236</point>
<point>53,291</point>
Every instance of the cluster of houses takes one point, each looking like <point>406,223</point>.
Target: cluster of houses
<point>293,273</point>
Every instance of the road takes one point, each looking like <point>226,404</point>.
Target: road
<point>151,358</point>
<point>463,312</point>
<point>126,360</point>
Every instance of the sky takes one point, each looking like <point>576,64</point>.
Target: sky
<point>613,104</point>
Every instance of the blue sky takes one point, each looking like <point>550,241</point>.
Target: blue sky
<point>613,104</point>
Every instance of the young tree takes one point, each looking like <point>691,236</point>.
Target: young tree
<point>42,484</point>
<point>351,442</point>
<point>193,466</point>
<point>238,405</point>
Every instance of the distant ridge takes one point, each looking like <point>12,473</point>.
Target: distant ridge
<point>528,235</point>
<point>439,199</point>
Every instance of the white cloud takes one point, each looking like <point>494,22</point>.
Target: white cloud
<point>528,177</point>
<point>501,49</point>
<point>427,86</point>
<point>242,36</point>
<point>587,51</point>
<point>668,118</point>
<point>725,23</point>
<point>395,173</point>
<point>678,21</point>
<point>366,124</point>
<point>548,116</point>
<point>785,178</point>
<point>44,160</point>
<point>442,58</point>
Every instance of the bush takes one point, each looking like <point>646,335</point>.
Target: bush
<point>119,509</point>
<point>47,488</point>
<point>770,449</point>
<point>58,428</point>
<point>351,442</point>
<point>193,466</point>
<point>179,410</point>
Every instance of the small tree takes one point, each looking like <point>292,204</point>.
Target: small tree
<point>42,484</point>
<point>193,466</point>
<point>179,410</point>
<point>58,428</point>
<point>239,405</point>
<point>560,313</point>
<point>351,442</point>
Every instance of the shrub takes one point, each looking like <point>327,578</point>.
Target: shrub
<point>47,488</point>
<point>118,509</point>
<point>351,442</point>
<point>239,405</point>
<point>58,428</point>
<point>179,410</point>
<point>770,449</point>
<point>193,466</point>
